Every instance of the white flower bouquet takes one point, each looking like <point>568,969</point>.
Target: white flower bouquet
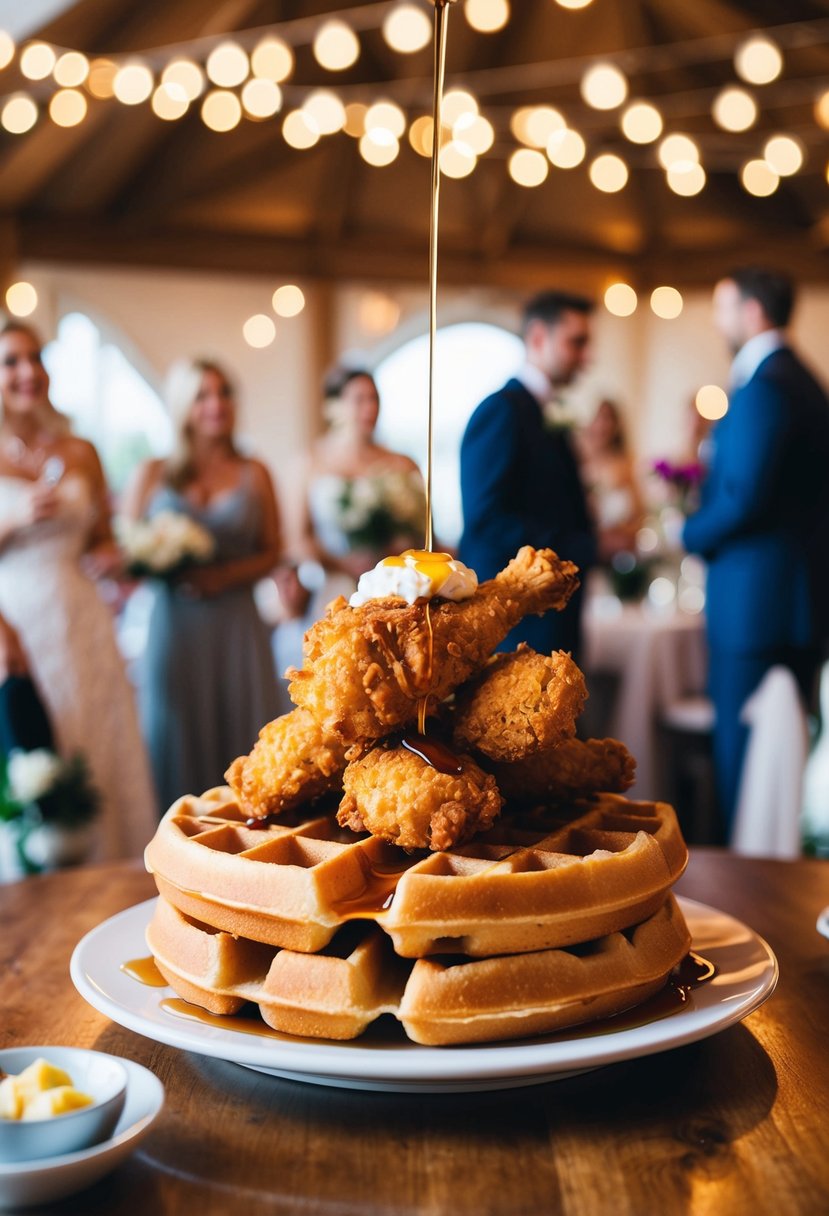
<point>39,789</point>
<point>376,510</point>
<point>163,545</point>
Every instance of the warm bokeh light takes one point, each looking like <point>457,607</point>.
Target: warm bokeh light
<point>221,110</point>
<point>455,103</point>
<point>573,3</point>
<point>101,78</point>
<point>758,60</point>
<point>604,86</point>
<point>711,402</point>
<point>759,178</point>
<point>385,116</point>
<point>227,65</point>
<point>288,301</point>
<point>620,300</point>
<point>71,69</point>
<point>355,119</point>
<point>540,123</point>
<point>261,98</point>
<point>377,313</point>
<point>475,130</point>
<point>608,173</point>
<point>169,101</point>
<point>21,299</point>
<point>487,16</point>
<point>133,83</point>
<point>37,61</point>
<point>336,46</point>
<point>686,181</point>
<point>641,123</point>
<point>421,135</point>
<point>822,110</point>
<point>456,159</point>
<point>259,331</point>
<point>272,59</point>
<point>528,167</point>
<point>666,302</point>
<point>186,75</point>
<point>7,49</point>
<point>326,110</point>
<point>566,148</point>
<point>67,107</point>
<point>19,114</point>
<point>299,130</point>
<point>407,29</point>
<point>784,154</point>
<point>734,109</point>
<point>678,152</point>
<point>379,147</point>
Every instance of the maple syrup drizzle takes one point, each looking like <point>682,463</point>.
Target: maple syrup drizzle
<point>145,971</point>
<point>423,703</point>
<point>436,754</point>
<point>222,1021</point>
<point>377,894</point>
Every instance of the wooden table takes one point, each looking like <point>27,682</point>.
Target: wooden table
<point>737,1123</point>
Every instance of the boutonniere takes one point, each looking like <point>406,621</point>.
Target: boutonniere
<point>558,416</point>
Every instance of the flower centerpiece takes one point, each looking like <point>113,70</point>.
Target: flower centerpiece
<point>381,510</point>
<point>164,545</point>
<point>684,479</point>
<point>44,797</point>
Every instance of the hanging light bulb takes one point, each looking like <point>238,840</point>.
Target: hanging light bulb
<point>566,148</point>
<point>101,79</point>
<point>227,65</point>
<point>387,116</point>
<point>455,103</point>
<point>528,167</point>
<point>169,101</point>
<point>475,130</point>
<point>784,154</point>
<point>133,83</point>
<point>678,152</point>
<point>608,173</point>
<point>67,108</point>
<point>574,3</point>
<point>221,110</point>
<point>734,109</point>
<point>711,402</point>
<point>407,29</point>
<point>326,110</point>
<point>37,61</point>
<point>21,299</point>
<point>759,178</point>
<point>336,46</point>
<point>259,331</point>
<point>822,110</point>
<point>620,299</point>
<point>421,134</point>
<point>7,49</point>
<point>261,98</point>
<point>758,60</point>
<point>604,86</point>
<point>186,75</point>
<point>641,123</point>
<point>19,114</point>
<point>71,69</point>
<point>456,159</point>
<point>686,181</point>
<point>666,302</point>
<point>288,300</point>
<point>379,147</point>
<point>487,16</point>
<point>299,130</point>
<point>355,119</point>
<point>272,59</point>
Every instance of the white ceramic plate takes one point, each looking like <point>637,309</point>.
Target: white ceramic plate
<point>823,922</point>
<point>746,976</point>
<point>50,1178</point>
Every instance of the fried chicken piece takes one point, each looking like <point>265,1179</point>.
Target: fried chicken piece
<point>521,703</point>
<point>294,761</point>
<point>573,769</point>
<point>366,668</point>
<point>396,795</point>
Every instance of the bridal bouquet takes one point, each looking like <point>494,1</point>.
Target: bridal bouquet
<point>376,510</point>
<point>41,792</point>
<point>164,545</point>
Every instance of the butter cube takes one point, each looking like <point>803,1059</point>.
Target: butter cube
<point>11,1100</point>
<point>56,1101</point>
<point>39,1076</point>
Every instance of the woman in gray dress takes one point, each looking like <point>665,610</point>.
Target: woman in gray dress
<point>207,684</point>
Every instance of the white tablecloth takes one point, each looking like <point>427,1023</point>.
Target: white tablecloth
<point>659,657</point>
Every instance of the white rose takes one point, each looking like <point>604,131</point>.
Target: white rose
<point>32,774</point>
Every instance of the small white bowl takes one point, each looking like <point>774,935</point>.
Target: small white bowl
<point>101,1076</point>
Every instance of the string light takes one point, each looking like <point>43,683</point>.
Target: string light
<point>261,98</point>
<point>686,181</point>
<point>566,148</point>
<point>759,178</point>
<point>227,65</point>
<point>475,130</point>
<point>355,119</point>
<point>37,61</point>
<point>604,87</point>
<point>272,59</point>
<point>336,46</point>
<point>407,29</point>
<point>133,83</point>
<point>540,123</point>
<point>608,173</point>
<point>101,79</point>
<point>7,49</point>
<point>620,299</point>
<point>379,147</point>
<point>822,110</point>
<point>487,16</point>
<point>641,123</point>
<point>386,116</point>
<point>678,152</point>
<point>456,159</point>
<point>528,167</point>
<point>71,69</point>
<point>784,154</point>
<point>288,301</point>
<point>19,114</point>
<point>666,302</point>
<point>758,60</point>
<point>421,135</point>
<point>21,299</point>
<point>711,402</point>
<point>67,108</point>
<point>326,110</point>
<point>455,103</point>
<point>169,101</point>
<point>299,130</point>
<point>734,109</point>
<point>185,75</point>
<point>259,331</point>
<point>221,110</point>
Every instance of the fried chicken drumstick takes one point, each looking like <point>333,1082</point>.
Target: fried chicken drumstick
<point>573,769</point>
<point>367,668</point>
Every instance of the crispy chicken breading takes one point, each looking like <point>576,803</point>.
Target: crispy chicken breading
<point>396,795</point>
<point>294,761</point>
<point>521,703</point>
<point>573,769</point>
<point>367,668</point>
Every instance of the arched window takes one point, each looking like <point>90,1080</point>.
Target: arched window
<point>106,397</point>
<point>472,360</point>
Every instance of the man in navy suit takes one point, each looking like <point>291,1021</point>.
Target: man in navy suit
<point>520,483</point>
<point>762,522</point>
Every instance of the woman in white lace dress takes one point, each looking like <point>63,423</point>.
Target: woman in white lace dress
<point>54,537</point>
<point>363,501</point>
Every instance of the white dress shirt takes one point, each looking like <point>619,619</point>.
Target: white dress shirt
<point>752,353</point>
<point>535,382</point>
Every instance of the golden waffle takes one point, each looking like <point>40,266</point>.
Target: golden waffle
<point>531,883</point>
<point>338,992</point>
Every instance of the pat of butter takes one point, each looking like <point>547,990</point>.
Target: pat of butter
<point>417,574</point>
<point>42,1088</point>
<point>58,1101</point>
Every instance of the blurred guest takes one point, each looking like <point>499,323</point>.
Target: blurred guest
<point>607,473</point>
<point>762,523</point>
<point>206,683</point>
<point>54,533</point>
<point>303,592</point>
<point>362,501</point>
<point>520,482</point>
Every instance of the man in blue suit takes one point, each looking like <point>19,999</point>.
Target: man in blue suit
<point>520,482</point>
<point>762,522</point>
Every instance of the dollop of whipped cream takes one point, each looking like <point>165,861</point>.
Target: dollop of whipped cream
<point>416,574</point>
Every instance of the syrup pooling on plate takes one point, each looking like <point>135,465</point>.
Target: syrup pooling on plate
<point>145,971</point>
